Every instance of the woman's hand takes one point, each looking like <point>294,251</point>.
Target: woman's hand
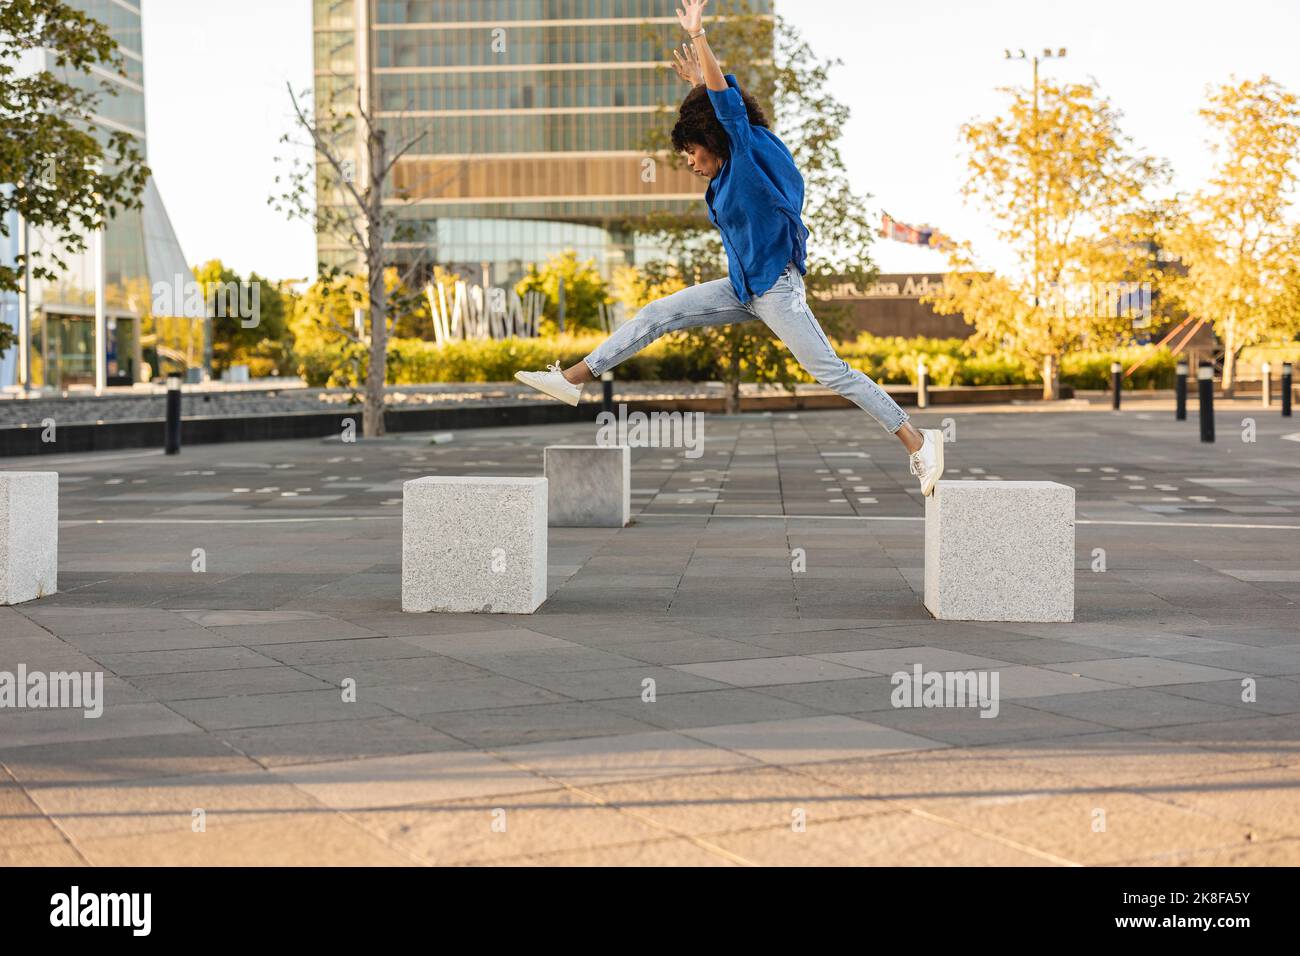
<point>687,65</point>
<point>692,17</point>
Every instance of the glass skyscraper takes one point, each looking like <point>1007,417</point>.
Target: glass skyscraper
<point>56,320</point>
<point>534,117</point>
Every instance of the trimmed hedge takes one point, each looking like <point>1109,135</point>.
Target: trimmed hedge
<point>886,360</point>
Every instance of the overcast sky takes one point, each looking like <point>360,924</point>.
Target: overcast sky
<point>913,73</point>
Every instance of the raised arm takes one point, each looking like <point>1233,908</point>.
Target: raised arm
<point>692,20</point>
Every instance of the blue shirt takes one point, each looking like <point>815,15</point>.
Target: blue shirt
<point>755,200</point>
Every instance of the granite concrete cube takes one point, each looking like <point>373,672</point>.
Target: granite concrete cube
<point>1000,551</point>
<point>29,535</point>
<point>591,485</point>
<point>474,544</point>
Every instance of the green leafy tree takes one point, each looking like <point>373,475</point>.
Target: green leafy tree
<point>1239,240</point>
<point>66,176</point>
<point>234,343</point>
<point>584,291</point>
<point>777,66</point>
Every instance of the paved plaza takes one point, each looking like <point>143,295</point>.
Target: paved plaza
<point>708,686</point>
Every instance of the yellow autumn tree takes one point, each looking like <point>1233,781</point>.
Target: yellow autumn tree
<point>1069,196</point>
<point>1238,238</point>
<point>636,289</point>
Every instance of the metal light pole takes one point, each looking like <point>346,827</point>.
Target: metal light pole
<point>1047,54</point>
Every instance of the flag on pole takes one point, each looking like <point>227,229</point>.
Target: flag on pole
<point>923,235</point>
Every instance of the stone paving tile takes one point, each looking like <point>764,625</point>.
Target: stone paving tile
<point>524,664</point>
<point>752,798</point>
<point>22,822</point>
<point>431,668</point>
<point>1264,801</point>
<point>893,660</point>
<point>823,642</point>
<point>882,839</point>
<point>337,740</point>
<point>66,621</point>
<point>54,853</point>
<point>622,757</point>
<point>127,642</point>
<point>97,762</point>
<point>506,828</point>
<point>225,683</point>
<point>167,804</point>
<point>1136,708</point>
<point>491,729</point>
<point>14,625</point>
<point>1279,735</point>
<point>237,618</point>
<point>1131,760</point>
<point>284,632</point>
<point>264,710</point>
<point>1261,661</point>
<point>290,838</point>
<point>1272,695</point>
<point>348,650</point>
<point>504,640</point>
<point>1257,636</point>
<point>474,693</point>
<point>854,695</point>
<point>46,727</point>
<point>1281,852</point>
<point>1037,652</point>
<point>707,708</point>
<point>184,661</point>
<point>965,727</point>
<point>409,779</point>
<point>669,852</point>
<point>621,682</point>
<point>771,670</point>
<point>1020,682</point>
<point>691,650</point>
<point>1070,825</point>
<point>1143,671</point>
<point>810,739</point>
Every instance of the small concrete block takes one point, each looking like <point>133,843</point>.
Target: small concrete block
<point>1000,551</point>
<point>474,544</point>
<point>591,485</point>
<point>29,535</point>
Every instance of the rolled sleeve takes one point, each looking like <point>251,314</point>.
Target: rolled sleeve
<point>729,108</point>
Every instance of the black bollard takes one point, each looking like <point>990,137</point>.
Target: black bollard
<point>173,437</point>
<point>1205,382</point>
<point>607,392</point>
<point>1180,392</point>
<point>1116,384</point>
<point>1286,389</point>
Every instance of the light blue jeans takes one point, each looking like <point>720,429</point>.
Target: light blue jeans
<point>784,308</point>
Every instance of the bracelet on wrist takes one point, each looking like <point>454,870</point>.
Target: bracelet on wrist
<point>696,36</point>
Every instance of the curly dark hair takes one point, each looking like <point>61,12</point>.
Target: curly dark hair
<point>697,124</point>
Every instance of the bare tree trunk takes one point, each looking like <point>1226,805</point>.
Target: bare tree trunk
<point>377,368</point>
<point>1051,378</point>
<point>732,405</point>
<point>1229,357</point>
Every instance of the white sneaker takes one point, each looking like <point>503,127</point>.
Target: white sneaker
<point>927,461</point>
<point>553,383</point>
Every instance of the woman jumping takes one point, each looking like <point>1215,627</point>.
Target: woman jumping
<point>755,197</point>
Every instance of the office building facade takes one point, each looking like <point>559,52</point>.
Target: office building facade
<point>93,324</point>
<point>534,117</point>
